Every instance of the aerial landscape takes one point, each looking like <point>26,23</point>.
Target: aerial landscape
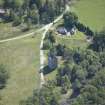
<point>52,52</point>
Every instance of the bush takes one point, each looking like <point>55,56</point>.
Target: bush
<point>89,32</point>
<point>46,45</point>
<point>70,19</point>
<point>81,27</point>
<point>60,49</point>
<point>3,76</point>
<point>16,22</point>
<point>25,29</point>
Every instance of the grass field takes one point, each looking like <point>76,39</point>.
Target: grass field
<point>91,13</point>
<point>7,31</point>
<point>21,58</point>
<point>75,41</point>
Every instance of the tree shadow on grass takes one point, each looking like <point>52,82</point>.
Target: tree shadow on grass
<point>75,93</point>
<point>47,70</point>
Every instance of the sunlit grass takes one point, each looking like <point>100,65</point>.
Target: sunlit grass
<point>21,58</point>
<point>91,13</point>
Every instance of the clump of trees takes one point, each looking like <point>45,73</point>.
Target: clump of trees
<point>44,96</point>
<point>49,40</point>
<point>93,92</point>
<point>62,78</point>
<point>85,29</point>
<point>83,66</point>
<point>60,49</point>
<point>99,41</point>
<point>38,11</point>
<point>70,19</point>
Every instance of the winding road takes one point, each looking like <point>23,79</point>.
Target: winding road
<point>46,29</point>
<point>42,57</point>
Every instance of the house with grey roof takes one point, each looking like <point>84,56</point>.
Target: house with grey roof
<point>64,31</point>
<point>2,11</point>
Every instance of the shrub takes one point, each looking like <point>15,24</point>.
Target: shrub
<point>3,76</point>
<point>46,44</point>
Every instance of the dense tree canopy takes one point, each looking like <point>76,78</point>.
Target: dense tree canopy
<point>82,71</point>
<point>99,41</point>
<point>70,19</point>
<point>39,11</point>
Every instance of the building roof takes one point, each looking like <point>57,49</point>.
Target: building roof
<point>2,11</point>
<point>62,30</point>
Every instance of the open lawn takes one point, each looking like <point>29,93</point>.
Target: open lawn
<point>21,58</point>
<point>74,41</point>
<point>7,31</point>
<point>91,13</point>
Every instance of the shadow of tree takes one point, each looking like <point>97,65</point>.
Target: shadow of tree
<point>75,93</point>
<point>47,70</point>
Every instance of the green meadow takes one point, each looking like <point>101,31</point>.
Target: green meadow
<point>21,58</point>
<point>91,13</point>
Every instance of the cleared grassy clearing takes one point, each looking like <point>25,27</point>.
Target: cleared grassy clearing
<point>91,13</point>
<point>7,31</point>
<point>75,41</point>
<point>21,57</point>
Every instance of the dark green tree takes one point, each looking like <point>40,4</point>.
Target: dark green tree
<point>99,41</point>
<point>3,76</point>
<point>70,19</point>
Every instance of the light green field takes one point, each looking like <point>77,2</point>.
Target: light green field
<point>21,57</point>
<point>7,31</point>
<point>75,41</point>
<point>91,13</point>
